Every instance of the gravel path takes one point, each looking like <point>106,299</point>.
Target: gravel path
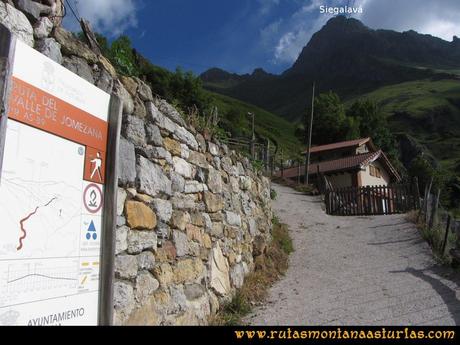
<point>356,271</point>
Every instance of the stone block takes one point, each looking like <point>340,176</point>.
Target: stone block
<point>151,178</point>
<point>164,274</point>
<point>140,216</point>
<point>233,219</point>
<point>146,261</point>
<point>76,64</point>
<point>139,241</point>
<point>163,209</point>
<point>194,291</point>
<point>213,149</point>
<point>214,181</point>
<point>123,299</point>
<point>180,219</point>
<point>219,272</point>
<point>50,48</point>
<point>181,243</point>
<point>71,45</point>
<point>43,28</point>
<point>125,266</point>
<point>172,146</point>
<point>121,239</point>
<point>182,167</point>
<point>192,187</point>
<point>213,202</point>
<point>188,270</point>
<point>126,162</point>
<point>125,97</point>
<point>146,285</point>
<point>167,252</point>
<point>17,23</point>
<point>154,135</point>
<point>133,129</point>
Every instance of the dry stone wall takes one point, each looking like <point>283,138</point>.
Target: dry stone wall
<point>192,215</point>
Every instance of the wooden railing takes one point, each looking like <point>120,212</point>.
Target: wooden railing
<point>371,200</point>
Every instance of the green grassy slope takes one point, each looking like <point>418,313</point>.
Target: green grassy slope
<point>267,125</point>
<point>428,110</point>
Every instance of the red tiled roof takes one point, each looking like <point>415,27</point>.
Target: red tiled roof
<point>340,164</point>
<point>344,164</point>
<point>339,145</point>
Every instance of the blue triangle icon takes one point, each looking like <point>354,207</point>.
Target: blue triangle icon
<point>92,228</point>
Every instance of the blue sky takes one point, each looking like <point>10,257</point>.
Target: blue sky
<point>241,35</point>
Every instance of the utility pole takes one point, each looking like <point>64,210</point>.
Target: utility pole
<point>310,133</point>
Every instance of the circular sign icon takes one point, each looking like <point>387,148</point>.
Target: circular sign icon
<point>92,198</point>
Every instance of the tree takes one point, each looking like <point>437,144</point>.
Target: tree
<point>352,128</point>
<point>188,90</point>
<point>421,168</point>
<point>123,57</point>
<point>301,133</point>
<point>373,123</point>
<point>237,123</point>
<point>330,124</point>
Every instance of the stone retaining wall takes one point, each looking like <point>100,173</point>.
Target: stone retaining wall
<point>192,215</point>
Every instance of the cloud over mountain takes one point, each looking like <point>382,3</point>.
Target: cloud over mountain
<point>111,17</point>
<point>438,18</point>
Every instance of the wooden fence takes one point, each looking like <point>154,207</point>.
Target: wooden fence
<point>441,229</point>
<point>371,200</point>
<point>261,152</point>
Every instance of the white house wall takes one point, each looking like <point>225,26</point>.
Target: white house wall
<point>368,180</point>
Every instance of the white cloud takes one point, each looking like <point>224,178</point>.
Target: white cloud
<point>301,26</point>
<point>267,5</point>
<point>269,33</point>
<point>436,17</point>
<point>111,17</point>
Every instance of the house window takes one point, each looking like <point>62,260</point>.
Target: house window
<point>374,171</point>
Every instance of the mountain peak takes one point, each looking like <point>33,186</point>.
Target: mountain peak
<point>346,43</point>
<point>216,74</point>
<point>343,23</point>
<point>260,73</point>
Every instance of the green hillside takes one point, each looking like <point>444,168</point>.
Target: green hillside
<point>184,90</point>
<point>428,110</point>
<point>235,120</point>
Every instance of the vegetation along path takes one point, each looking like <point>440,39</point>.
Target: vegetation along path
<point>356,271</point>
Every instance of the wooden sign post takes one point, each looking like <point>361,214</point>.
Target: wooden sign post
<point>58,181</point>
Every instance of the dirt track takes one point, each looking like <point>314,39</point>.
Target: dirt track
<point>356,271</point>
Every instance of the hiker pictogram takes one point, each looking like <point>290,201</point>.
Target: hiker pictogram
<point>94,165</point>
<point>97,164</point>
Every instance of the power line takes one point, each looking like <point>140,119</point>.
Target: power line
<point>72,10</point>
<point>76,14</point>
<point>75,2</point>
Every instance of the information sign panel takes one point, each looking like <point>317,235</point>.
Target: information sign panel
<point>52,185</point>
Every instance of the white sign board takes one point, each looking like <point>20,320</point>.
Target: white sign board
<point>51,195</point>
